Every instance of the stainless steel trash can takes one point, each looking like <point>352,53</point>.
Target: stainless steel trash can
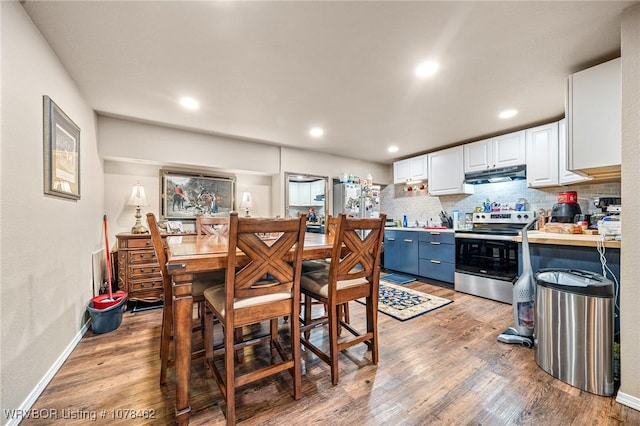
<point>573,332</point>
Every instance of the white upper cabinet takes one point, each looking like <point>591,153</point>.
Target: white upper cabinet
<point>546,156</point>
<point>593,112</point>
<point>500,151</point>
<point>300,194</point>
<point>565,176</point>
<point>446,172</point>
<point>294,194</point>
<point>414,168</point>
<point>317,192</point>
<point>542,155</point>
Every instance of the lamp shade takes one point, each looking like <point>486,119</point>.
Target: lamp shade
<point>138,198</point>
<point>246,200</point>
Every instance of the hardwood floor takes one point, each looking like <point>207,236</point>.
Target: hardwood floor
<point>444,367</point>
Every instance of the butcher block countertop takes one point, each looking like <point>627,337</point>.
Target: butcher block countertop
<point>582,240</point>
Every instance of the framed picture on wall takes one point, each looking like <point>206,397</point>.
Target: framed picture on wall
<point>61,152</point>
<point>184,195</point>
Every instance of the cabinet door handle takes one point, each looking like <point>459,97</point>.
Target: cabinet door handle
<point>391,239</point>
<point>408,241</point>
<point>434,233</point>
<point>437,262</point>
<point>435,243</point>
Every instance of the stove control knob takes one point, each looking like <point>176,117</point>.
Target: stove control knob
<point>526,216</point>
<point>519,216</point>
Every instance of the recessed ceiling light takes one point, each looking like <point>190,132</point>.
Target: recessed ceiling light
<point>508,113</point>
<point>316,132</point>
<point>427,69</point>
<point>189,103</point>
<point>392,148</point>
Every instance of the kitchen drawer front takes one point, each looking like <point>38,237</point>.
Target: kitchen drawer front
<point>437,237</point>
<point>145,284</point>
<point>148,270</point>
<point>409,236</point>
<point>435,250</point>
<point>142,256</point>
<point>437,270</point>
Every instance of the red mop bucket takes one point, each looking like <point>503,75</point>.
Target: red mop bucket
<point>105,301</point>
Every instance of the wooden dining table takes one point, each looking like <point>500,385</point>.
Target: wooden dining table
<point>192,254</point>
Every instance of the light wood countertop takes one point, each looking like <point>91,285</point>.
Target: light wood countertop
<point>539,237</point>
<point>582,240</point>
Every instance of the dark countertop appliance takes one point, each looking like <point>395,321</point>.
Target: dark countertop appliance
<point>565,212</point>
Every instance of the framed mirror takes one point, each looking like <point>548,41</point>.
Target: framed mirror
<point>307,194</point>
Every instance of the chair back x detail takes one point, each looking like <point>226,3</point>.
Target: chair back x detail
<point>353,273</point>
<point>212,225</point>
<point>264,287</point>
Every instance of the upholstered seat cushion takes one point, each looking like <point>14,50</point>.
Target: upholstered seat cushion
<point>313,266</point>
<point>201,282</point>
<point>318,283</point>
<point>216,297</point>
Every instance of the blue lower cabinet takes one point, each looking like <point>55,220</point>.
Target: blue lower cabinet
<point>575,257</point>
<point>437,270</point>
<point>436,256</point>
<point>401,251</point>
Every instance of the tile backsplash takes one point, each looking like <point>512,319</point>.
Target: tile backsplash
<point>396,201</point>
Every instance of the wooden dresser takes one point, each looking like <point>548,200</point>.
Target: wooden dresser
<point>138,269</point>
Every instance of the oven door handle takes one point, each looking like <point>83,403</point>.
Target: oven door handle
<point>493,237</point>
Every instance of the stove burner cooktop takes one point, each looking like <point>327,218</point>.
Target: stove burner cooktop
<point>500,223</point>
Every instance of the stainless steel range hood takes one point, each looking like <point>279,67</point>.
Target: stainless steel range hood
<point>504,174</point>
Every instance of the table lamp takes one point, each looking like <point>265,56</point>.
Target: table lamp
<point>246,202</point>
<point>138,199</point>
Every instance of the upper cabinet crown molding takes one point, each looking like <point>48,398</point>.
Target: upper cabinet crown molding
<point>494,153</point>
<point>414,168</point>
<point>594,120</point>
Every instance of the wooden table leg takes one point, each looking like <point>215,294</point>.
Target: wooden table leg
<point>182,321</point>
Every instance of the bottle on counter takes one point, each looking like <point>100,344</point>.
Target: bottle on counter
<point>405,222</point>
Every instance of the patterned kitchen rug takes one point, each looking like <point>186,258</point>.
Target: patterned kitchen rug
<point>404,303</point>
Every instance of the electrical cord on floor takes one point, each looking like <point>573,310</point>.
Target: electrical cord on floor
<point>603,260</point>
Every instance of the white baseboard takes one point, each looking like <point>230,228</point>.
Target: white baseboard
<point>628,400</point>
<point>26,405</point>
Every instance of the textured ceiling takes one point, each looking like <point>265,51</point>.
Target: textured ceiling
<point>268,71</point>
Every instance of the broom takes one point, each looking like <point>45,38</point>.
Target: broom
<point>104,301</point>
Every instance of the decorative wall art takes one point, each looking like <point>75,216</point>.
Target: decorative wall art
<point>61,152</point>
<point>184,195</point>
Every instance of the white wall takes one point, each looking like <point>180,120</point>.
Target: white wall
<point>46,244</point>
<point>134,141</point>
<point>629,393</point>
<point>136,151</point>
<point>120,176</point>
